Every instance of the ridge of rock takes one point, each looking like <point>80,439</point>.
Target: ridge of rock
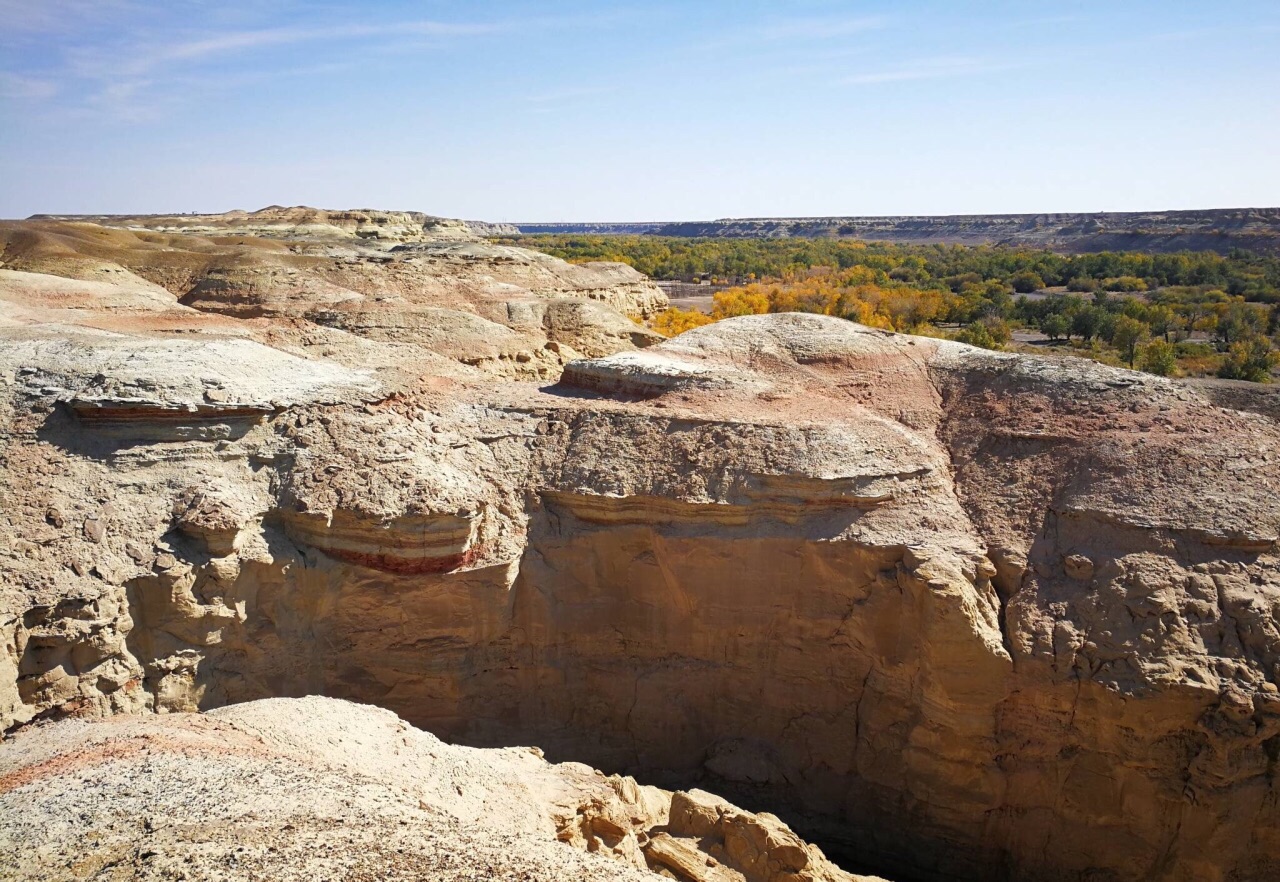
<point>296,222</point>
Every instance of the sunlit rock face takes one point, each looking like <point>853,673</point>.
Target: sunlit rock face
<point>955,614</point>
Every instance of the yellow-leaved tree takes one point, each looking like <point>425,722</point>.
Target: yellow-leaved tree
<point>674,321</point>
<point>751,300</point>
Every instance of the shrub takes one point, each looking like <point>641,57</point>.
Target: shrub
<point>1026,281</point>
<point>988,334</point>
<point>1127,284</point>
<point>1159,358</point>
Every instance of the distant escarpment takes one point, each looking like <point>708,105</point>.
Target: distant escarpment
<point>952,614</point>
<point>300,222</point>
<point>1221,230</point>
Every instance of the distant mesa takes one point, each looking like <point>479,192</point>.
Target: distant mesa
<point>1219,229</point>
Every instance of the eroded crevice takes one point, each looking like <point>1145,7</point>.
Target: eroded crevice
<point>709,667</point>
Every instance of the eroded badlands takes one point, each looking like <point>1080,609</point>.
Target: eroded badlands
<point>950,613</point>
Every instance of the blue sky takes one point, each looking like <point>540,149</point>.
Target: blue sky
<point>639,110</point>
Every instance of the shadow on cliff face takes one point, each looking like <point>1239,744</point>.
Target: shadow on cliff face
<point>99,430</point>
<point>670,646</point>
<point>791,675</point>
<point>836,684</point>
<point>1065,707</point>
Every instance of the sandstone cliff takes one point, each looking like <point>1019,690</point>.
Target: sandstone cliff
<point>953,613</point>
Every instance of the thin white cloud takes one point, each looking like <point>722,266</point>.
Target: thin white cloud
<point>929,69</point>
<point>226,44</point>
<point>20,88</point>
<point>141,60</point>
<point>562,95</point>
<point>1045,21</point>
<point>50,16</point>
<point>807,29</point>
<point>126,80</point>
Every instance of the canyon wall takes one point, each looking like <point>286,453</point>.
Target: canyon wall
<point>956,614</point>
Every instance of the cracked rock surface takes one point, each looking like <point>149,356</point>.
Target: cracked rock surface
<point>950,613</point>
<point>317,788</point>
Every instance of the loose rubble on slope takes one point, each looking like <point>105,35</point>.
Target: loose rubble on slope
<point>952,613</point>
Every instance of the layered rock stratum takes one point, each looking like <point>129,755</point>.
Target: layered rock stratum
<point>1220,229</point>
<point>952,614</point>
<point>302,222</point>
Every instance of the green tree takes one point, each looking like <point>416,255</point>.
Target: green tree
<point>998,301</point>
<point>1056,326</point>
<point>1162,321</point>
<point>1126,334</point>
<point>1087,322</point>
<point>1106,324</point>
<point>1237,322</point>
<point>1158,357</point>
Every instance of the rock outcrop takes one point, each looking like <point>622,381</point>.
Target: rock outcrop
<point>316,788</point>
<point>953,614</point>
<point>297,222</point>
<point>382,304</point>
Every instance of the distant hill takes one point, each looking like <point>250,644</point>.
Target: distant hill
<point>604,229</point>
<point>1255,229</point>
<point>300,221</point>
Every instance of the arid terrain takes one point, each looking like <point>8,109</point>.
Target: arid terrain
<point>946,613</point>
<point>1255,229</point>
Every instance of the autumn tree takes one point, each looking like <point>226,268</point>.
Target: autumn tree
<point>1250,359</point>
<point>988,333</point>
<point>1236,321</point>
<point>673,321</point>
<point>1162,320</point>
<point>1125,284</point>
<point>740,301</point>
<point>1158,357</point>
